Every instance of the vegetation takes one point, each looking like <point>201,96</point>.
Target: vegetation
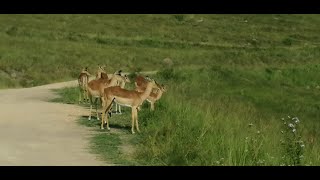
<point>59,46</point>
<point>215,116</point>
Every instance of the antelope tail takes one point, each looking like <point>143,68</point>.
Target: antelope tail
<point>109,105</point>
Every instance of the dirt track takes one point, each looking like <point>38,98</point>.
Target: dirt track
<point>35,132</point>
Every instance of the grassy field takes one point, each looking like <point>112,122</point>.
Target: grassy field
<point>218,116</point>
<point>232,80</point>
<point>38,49</point>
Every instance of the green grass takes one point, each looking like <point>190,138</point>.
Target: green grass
<point>40,49</point>
<point>107,145</point>
<point>205,117</point>
<point>67,95</point>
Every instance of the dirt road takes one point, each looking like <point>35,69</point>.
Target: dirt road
<point>34,132</point>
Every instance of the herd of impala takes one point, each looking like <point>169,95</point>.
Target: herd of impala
<point>110,89</point>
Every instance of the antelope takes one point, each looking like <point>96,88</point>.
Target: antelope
<point>115,73</point>
<point>82,82</point>
<point>121,82</point>
<point>104,75</point>
<point>95,89</point>
<point>101,69</point>
<point>122,85</point>
<point>156,96</point>
<point>141,83</point>
<point>130,98</point>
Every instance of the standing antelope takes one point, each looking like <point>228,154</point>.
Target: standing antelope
<point>121,82</point>
<point>115,73</point>
<point>95,89</point>
<point>122,85</point>
<point>104,75</point>
<point>82,82</point>
<point>141,83</point>
<point>155,95</point>
<point>130,98</point>
<point>101,69</point>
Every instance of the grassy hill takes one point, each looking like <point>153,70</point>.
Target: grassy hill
<point>233,79</point>
<point>59,45</point>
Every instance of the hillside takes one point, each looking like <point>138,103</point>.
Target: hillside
<point>60,45</point>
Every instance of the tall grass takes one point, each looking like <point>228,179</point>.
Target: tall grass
<point>222,117</point>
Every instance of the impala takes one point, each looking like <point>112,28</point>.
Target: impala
<point>82,82</point>
<point>156,96</point>
<point>101,69</point>
<point>129,98</point>
<point>115,73</point>
<point>95,89</point>
<point>141,83</point>
<point>122,85</point>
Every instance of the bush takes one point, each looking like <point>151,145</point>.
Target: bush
<point>293,146</point>
<point>287,41</point>
<point>12,31</point>
<point>170,74</point>
<point>179,17</point>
